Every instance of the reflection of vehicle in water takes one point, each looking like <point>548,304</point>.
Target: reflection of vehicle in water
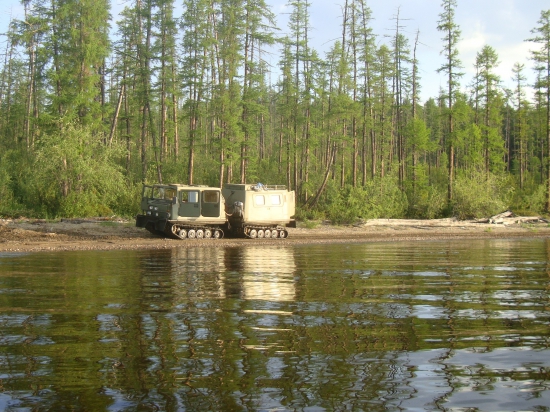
<point>268,273</point>
<point>254,272</point>
<point>194,211</point>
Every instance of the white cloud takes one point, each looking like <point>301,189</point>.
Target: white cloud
<point>516,53</point>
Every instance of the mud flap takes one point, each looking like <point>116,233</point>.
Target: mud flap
<point>141,220</point>
<point>148,223</point>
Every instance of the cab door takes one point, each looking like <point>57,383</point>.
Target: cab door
<point>189,202</point>
<point>211,203</point>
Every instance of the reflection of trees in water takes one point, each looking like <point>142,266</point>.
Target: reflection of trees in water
<point>200,272</point>
<point>192,328</point>
<point>358,328</point>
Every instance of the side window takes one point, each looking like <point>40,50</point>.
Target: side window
<point>275,200</point>
<point>259,200</point>
<point>189,197</point>
<point>211,196</point>
<point>169,194</point>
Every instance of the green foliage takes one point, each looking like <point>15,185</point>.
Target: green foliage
<point>471,142</point>
<point>530,201</point>
<point>380,198</point>
<point>7,200</point>
<point>479,194</point>
<point>75,175</point>
<point>14,186</point>
<point>428,202</point>
<point>310,224</point>
<point>418,135</point>
<point>305,215</point>
<point>328,121</point>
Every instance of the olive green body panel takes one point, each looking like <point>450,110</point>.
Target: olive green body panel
<point>199,205</point>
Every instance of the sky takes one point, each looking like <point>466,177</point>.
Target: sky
<point>501,24</point>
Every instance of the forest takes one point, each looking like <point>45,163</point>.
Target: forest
<point>93,106</point>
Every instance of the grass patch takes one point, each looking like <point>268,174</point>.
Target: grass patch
<point>310,224</point>
<point>109,223</point>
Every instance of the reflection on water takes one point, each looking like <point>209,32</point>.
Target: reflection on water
<point>399,326</point>
<point>267,273</point>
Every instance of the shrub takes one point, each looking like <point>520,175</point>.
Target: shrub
<point>428,203</point>
<point>76,175</point>
<point>531,200</point>
<point>379,198</point>
<point>480,195</point>
<point>6,193</point>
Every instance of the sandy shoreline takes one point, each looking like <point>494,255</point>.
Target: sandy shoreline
<point>25,235</point>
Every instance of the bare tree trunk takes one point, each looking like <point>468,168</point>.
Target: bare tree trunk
<point>117,112</point>
<point>175,116</point>
<point>222,166</point>
<point>192,137</point>
<point>321,189</point>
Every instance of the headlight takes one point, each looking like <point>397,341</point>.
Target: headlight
<point>156,208</point>
<point>150,207</point>
<point>148,213</point>
<point>168,215</point>
<point>156,214</point>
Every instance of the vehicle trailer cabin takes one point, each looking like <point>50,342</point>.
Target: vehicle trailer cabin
<point>194,211</point>
<point>258,210</point>
<point>182,211</point>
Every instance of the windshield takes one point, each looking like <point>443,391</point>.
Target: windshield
<point>159,192</point>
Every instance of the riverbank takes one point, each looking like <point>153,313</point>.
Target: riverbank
<point>27,235</point>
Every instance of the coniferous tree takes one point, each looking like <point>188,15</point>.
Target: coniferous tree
<point>30,33</point>
<point>79,39</point>
<point>521,131</point>
<point>542,60</point>
<point>299,50</point>
<point>165,47</point>
<point>198,40</point>
<point>451,67</point>
<point>367,48</point>
<point>227,100</point>
<point>258,33</point>
<point>493,147</point>
<point>401,80</point>
<point>383,75</point>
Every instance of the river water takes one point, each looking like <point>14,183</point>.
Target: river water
<point>423,326</point>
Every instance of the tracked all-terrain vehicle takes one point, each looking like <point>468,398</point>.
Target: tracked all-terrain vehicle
<point>237,210</point>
